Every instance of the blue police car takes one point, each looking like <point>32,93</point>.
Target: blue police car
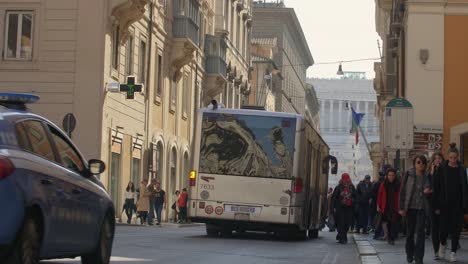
<point>52,203</point>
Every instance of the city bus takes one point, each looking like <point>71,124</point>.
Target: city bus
<point>257,170</point>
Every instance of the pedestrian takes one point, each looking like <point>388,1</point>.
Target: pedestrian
<point>413,205</point>
<point>143,203</point>
<point>450,200</point>
<point>387,205</point>
<point>130,198</point>
<point>159,201</point>
<point>175,207</point>
<point>182,203</point>
<point>343,199</point>
<point>151,196</point>
<point>364,193</point>
<point>436,160</point>
<point>377,225</point>
<point>331,220</point>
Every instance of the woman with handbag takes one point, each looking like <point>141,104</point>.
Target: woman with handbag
<point>387,205</point>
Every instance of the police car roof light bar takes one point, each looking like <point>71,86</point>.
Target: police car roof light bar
<point>17,101</point>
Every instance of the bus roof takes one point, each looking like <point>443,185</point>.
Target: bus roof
<point>251,112</point>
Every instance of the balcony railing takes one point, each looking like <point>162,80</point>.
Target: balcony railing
<point>184,27</point>
<point>216,65</point>
<point>215,52</point>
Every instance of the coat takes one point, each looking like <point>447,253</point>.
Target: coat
<point>407,190</point>
<point>144,202</point>
<point>382,198</point>
<point>440,190</point>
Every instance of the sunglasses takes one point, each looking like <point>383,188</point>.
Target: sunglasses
<point>420,162</point>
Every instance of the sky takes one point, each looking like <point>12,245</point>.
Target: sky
<point>338,30</point>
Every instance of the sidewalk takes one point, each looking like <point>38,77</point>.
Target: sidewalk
<point>377,251</point>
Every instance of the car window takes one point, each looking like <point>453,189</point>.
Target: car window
<point>22,137</point>
<point>69,157</point>
<point>39,142</point>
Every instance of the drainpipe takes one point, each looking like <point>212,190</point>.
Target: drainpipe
<point>147,92</point>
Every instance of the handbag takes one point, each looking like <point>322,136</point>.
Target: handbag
<point>174,206</point>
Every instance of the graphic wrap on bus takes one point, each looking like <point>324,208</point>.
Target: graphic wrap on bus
<point>243,145</point>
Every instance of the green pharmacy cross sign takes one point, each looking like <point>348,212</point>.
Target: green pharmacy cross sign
<point>130,87</point>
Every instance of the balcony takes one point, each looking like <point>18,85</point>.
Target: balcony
<point>215,64</point>
<point>185,32</point>
<point>186,28</point>
<point>125,13</point>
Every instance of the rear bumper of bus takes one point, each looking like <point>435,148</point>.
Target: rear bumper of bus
<point>264,214</point>
<point>246,226</point>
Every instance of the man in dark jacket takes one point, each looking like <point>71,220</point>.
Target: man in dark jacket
<point>364,192</point>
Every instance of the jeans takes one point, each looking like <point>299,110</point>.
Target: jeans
<point>415,223</point>
<point>363,217</point>
<point>451,223</point>
<point>435,224</point>
<point>129,208</point>
<point>158,208</point>
<point>151,214</point>
<point>183,214</point>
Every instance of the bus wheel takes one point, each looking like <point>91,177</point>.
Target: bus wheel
<point>211,231</point>
<point>313,233</point>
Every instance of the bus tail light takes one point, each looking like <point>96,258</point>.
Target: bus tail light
<point>193,178</point>
<point>298,185</point>
<point>6,167</point>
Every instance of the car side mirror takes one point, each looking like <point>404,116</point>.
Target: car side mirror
<point>96,166</point>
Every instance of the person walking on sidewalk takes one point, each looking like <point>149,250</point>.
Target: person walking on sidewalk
<point>130,199</point>
<point>413,205</point>
<point>175,207</point>
<point>143,203</point>
<point>182,203</point>
<point>450,200</point>
<point>159,201</point>
<point>343,199</point>
<point>434,164</point>
<point>364,191</point>
<point>387,204</point>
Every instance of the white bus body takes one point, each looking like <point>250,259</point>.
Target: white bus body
<point>258,170</point>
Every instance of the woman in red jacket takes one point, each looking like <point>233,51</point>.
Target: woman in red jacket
<point>387,204</point>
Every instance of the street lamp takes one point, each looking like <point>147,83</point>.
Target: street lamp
<point>340,70</point>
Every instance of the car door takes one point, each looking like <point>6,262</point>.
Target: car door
<point>42,183</point>
<point>83,201</point>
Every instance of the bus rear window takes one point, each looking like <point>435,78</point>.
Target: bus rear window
<point>247,145</point>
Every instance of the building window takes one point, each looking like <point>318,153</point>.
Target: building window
<point>174,90</point>
<point>226,14</point>
<point>136,168</point>
<point>19,35</point>
<point>159,160</point>
<point>115,48</point>
<point>159,76</point>
<point>238,36</point>
<point>186,95</point>
<point>173,170</point>
<point>142,62</point>
<point>231,33</point>
<point>129,56</point>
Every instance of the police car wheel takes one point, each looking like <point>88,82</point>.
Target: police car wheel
<point>26,250</point>
<point>103,251</point>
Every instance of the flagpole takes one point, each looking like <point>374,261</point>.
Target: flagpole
<point>365,139</point>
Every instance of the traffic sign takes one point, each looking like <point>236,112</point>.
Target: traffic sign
<point>69,123</point>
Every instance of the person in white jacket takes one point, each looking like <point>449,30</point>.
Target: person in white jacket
<point>130,199</point>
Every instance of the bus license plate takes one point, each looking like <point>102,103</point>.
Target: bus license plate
<point>242,209</point>
<point>243,217</point>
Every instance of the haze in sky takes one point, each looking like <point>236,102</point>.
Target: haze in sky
<point>338,30</point>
